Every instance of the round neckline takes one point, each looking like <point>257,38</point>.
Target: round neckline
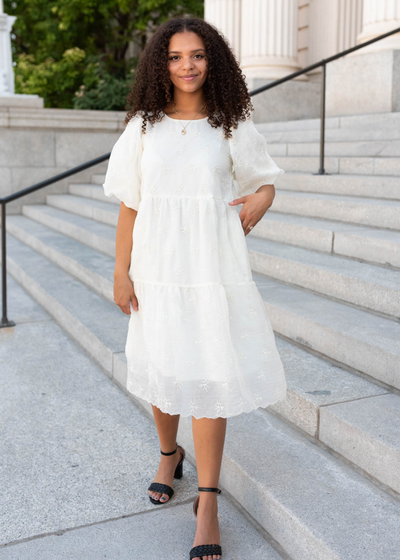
<point>184,120</point>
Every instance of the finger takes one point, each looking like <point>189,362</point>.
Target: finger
<point>245,223</point>
<point>125,309</point>
<point>247,228</point>
<point>135,303</point>
<point>238,201</point>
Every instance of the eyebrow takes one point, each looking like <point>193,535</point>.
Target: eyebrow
<point>180,51</point>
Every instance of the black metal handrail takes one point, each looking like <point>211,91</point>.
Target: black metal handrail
<point>5,322</point>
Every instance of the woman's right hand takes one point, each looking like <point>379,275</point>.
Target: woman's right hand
<point>124,293</point>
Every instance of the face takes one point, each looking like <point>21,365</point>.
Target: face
<point>187,57</point>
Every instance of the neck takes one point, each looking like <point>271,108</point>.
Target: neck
<point>187,103</point>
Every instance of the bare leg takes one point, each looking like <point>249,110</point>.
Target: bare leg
<point>208,438</point>
<point>167,427</point>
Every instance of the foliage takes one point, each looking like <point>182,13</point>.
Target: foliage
<point>52,79</point>
<point>101,90</point>
<point>61,45</point>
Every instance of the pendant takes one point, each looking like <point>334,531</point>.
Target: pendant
<point>183,131</point>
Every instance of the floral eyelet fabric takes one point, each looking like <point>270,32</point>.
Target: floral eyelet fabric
<point>201,343</point>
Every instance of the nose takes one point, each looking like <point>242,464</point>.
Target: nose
<point>187,63</point>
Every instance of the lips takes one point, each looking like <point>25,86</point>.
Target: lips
<point>189,78</point>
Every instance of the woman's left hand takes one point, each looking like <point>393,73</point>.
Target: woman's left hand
<point>254,206</point>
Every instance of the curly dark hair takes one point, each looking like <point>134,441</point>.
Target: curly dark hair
<point>226,96</point>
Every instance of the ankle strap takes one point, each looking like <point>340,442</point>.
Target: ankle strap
<point>172,452</point>
<point>203,489</point>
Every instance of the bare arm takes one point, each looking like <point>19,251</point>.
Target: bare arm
<point>123,288</point>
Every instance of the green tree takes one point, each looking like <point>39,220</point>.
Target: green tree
<point>74,52</point>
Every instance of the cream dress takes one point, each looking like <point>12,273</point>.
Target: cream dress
<point>201,343</point>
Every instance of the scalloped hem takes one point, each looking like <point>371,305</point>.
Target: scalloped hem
<point>282,396</point>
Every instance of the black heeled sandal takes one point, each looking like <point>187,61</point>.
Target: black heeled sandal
<point>164,488</point>
<point>204,549</point>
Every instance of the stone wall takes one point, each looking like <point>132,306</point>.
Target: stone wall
<point>38,143</point>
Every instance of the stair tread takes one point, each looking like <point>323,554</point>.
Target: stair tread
<point>103,318</point>
<point>92,202</point>
<point>103,230</point>
<point>329,384</point>
<point>379,417</point>
<point>332,225</point>
<point>351,321</point>
<point>331,135</point>
<point>72,249</point>
<point>279,488</point>
<point>385,119</point>
<point>345,267</point>
<point>347,199</point>
<point>340,147</point>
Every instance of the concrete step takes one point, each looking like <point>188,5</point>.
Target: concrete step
<point>350,209</point>
<point>372,148</point>
<point>389,120</point>
<point>305,399</point>
<point>98,178</point>
<point>93,234</point>
<point>312,512</point>
<point>379,134</point>
<point>295,487</point>
<point>371,245</point>
<point>84,263</point>
<point>89,190</point>
<point>306,499</point>
<point>365,343</point>
<point>88,318</point>
<point>348,185</point>
<point>346,165</point>
<point>368,286</point>
<point>102,212</point>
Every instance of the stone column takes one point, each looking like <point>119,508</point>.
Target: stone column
<point>380,16</point>
<point>263,35</point>
<point>225,15</point>
<point>6,69</point>
<point>268,38</point>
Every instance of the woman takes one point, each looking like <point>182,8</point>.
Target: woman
<point>200,342</point>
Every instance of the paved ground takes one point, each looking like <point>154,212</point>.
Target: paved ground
<point>77,457</point>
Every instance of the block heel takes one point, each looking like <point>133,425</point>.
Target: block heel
<point>179,469</point>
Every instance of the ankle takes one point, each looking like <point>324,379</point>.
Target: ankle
<point>208,503</point>
<point>167,460</point>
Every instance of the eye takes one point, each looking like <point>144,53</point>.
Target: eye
<point>176,56</point>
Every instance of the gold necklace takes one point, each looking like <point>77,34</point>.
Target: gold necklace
<point>183,131</point>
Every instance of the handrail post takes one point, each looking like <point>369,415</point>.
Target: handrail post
<point>322,133</point>
<point>4,321</point>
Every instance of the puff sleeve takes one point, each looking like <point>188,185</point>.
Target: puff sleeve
<point>123,176</point>
<point>252,164</point>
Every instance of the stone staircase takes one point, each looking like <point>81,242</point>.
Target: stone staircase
<point>320,471</point>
